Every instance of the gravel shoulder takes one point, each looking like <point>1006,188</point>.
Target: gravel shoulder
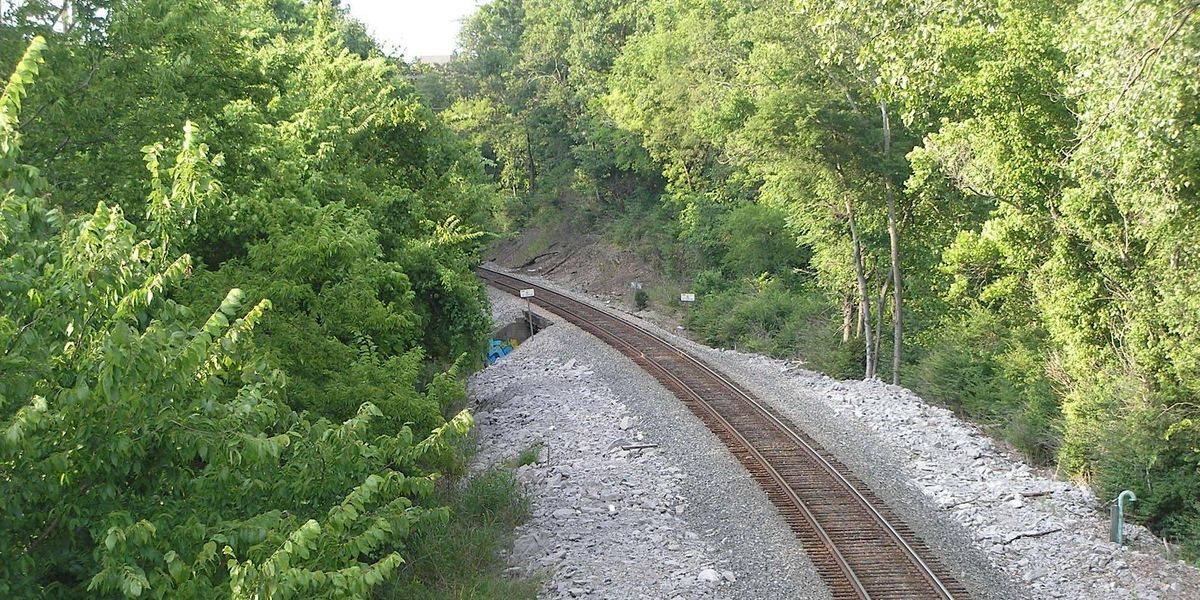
<point>1007,529</point>
<point>679,518</point>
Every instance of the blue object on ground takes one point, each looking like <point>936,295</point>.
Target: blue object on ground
<point>498,349</point>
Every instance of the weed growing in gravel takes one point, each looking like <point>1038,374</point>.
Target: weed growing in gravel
<point>529,455</point>
<point>463,558</point>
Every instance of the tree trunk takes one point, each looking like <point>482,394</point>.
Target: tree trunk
<point>529,161</point>
<point>847,316</point>
<point>858,320</point>
<point>864,299</point>
<point>66,16</point>
<point>897,291</point>
<point>894,237</point>
<point>883,292</point>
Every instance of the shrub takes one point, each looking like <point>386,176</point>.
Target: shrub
<point>197,480</point>
<point>766,316</point>
<point>983,369</point>
<point>462,557</point>
<point>641,299</point>
<point>1118,437</point>
<point>756,241</point>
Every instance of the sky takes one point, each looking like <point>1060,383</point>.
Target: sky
<point>416,27</point>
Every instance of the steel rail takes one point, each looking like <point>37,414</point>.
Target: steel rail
<point>936,584</point>
<point>614,340</point>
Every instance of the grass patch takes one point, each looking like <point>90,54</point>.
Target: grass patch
<point>463,557</point>
<point>529,455</point>
<point>537,239</point>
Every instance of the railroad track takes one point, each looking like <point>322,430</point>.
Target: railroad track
<point>859,546</point>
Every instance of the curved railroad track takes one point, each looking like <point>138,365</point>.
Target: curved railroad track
<point>860,548</point>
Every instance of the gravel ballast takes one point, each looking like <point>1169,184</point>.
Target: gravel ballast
<point>1007,529</point>
<point>632,497</point>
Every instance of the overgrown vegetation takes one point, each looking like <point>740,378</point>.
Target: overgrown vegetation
<point>236,307</point>
<point>991,202</point>
<point>462,558</point>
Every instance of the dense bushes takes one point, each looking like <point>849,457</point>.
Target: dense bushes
<point>314,177</point>
<point>143,453</point>
<point>993,375</point>
<point>238,374</point>
<point>764,316</point>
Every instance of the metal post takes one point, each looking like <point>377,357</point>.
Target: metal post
<point>687,299</point>
<point>1117,534</point>
<point>527,294</point>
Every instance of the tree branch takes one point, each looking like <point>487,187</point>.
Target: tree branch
<point>1032,534</point>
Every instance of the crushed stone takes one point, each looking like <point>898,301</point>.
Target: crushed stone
<point>631,496</point>
<point>1007,528</point>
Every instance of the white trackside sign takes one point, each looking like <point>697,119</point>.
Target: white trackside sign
<point>687,297</point>
<point>637,285</point>
<point>527,293</point>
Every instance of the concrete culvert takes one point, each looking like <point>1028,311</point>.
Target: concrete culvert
<point>507,338</point>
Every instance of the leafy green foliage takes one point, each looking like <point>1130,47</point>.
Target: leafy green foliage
<point>765,316</point>
<point>526,94</point>
<point>312,176</point>
<point>461,558</point>
<point>754,240</point>
<point>1028,166</point>
<point>995,376</point>
<point>641,299</point>
<point>125,429</point>
<point>267,419</point>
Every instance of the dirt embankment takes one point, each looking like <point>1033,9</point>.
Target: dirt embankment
<point>584,260</point>
<point>587,262</point>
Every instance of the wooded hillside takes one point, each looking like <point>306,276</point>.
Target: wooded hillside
<point>994,203</point>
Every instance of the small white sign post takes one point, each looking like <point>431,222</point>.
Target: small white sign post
<point>687,299</point>
<point>527,294</point>
<point>637,285</point>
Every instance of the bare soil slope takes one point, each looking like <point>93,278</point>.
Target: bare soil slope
<point>581,260</point>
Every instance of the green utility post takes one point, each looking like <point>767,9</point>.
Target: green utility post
<point>1118,516</point>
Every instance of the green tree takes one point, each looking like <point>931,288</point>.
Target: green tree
<point>321,182</point>
<point>1009,185</point>
<point>142,455</point>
